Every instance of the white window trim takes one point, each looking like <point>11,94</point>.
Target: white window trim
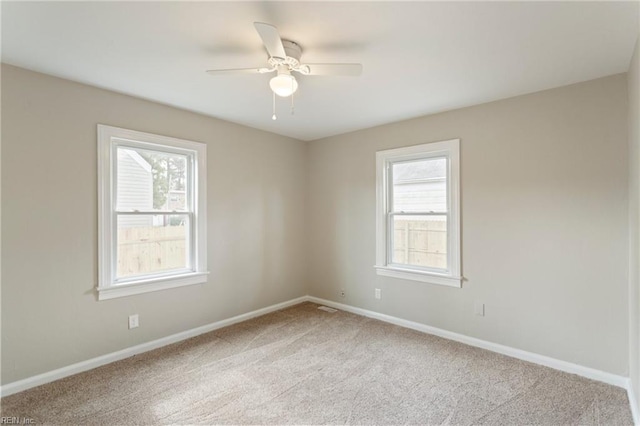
<point>450,149</point>
<point>107,287</point>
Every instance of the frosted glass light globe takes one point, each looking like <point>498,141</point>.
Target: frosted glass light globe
<point>284,85</point>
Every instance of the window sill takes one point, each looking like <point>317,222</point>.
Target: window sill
<point>149,285</point>
<point>415,275</point>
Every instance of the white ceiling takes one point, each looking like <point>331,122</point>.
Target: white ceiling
<point>419,58</point>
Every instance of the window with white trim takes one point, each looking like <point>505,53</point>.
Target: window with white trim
<point>152,212</point>
<point>418,213</point>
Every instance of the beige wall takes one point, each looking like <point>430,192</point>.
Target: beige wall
<point>50,315</point>
<point>633,83</point>
<point>544,223</point>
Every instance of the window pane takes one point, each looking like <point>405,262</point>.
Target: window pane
<point>420,186</point>
<point>150,244</point>
<point>151,180</point>
<point>420,241</point>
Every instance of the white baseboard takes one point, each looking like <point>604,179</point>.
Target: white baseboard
<point>92,363</point>
<point>557,364</point>
<point>565,366</point>
<point>632,402</point>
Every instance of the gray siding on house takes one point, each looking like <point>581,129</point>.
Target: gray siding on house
<point>420,196</point>
<point>420,186</point>
<point>134,188</point>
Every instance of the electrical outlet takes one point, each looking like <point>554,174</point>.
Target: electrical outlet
<point>378,295</point>
<point>133,321</point>
<point>479,308</point>
<point>342,293</point>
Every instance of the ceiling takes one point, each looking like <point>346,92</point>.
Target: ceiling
<point>419,57</point>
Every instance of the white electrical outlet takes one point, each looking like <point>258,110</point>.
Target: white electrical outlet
<point>378,295</point>
<point>133,321</point>
<point>342,293</point>
<point>479,308</point>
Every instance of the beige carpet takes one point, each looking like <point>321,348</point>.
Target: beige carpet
<point>305,366</point>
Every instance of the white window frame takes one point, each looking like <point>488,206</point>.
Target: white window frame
<point>109,287</point>
<point>449,149</point>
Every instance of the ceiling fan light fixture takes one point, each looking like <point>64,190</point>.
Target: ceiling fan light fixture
<point>284,84</point>
<point>284,57</point>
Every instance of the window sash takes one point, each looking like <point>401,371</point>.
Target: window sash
<point>189,245</point>
<point>188,211</point>
<point>391,213</point>
<point>390,202</point>
<point>391,243</point>
<point>190,179</point>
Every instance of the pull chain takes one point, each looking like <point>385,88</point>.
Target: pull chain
<point>274,107</point>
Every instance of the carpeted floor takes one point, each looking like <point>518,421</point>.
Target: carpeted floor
<point>305,366</point>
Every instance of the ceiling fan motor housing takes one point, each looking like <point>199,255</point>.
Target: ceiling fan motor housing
<point>292,49</point>
<point>293,52</point>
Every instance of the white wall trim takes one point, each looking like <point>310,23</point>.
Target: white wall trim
<point>109,140</point>
<point>92,363</point>
<point>385,159</point>
<point>546,361</point>
<point>568,367</point>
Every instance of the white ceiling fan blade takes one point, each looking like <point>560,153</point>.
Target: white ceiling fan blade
<point>271,39</point>
<point>239,71</point>
<point>334,69</point>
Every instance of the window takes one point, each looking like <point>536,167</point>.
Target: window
<point>418,217</point>
<point>152,212</point>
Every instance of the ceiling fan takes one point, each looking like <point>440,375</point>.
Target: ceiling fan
<point>284,59</point>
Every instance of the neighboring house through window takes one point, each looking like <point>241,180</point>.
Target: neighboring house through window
<point>152,212</point>
<point>418,217</point>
